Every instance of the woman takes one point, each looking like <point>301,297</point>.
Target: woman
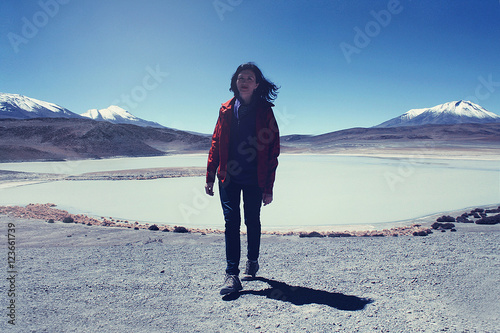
<point>244,155</point>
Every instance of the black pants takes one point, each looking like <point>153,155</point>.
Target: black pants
<point>230,196</point>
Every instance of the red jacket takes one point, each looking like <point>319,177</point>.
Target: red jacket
<point>267,143</point>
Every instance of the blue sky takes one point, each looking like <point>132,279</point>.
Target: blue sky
<point>340,64</point>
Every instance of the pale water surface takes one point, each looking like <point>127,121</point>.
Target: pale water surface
<point>310,190</point>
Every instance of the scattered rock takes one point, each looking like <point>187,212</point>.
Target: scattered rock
<point>165,230</point>
<point>463,219</point>
<point>153,227</point>
<point>453,229</point>
<point>50,221</point>
<point>156,240</point>
<point>311,234</point>
<point>420,233</point>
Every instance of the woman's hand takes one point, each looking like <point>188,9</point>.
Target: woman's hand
<point>209,189</point>
<point>267,198</point>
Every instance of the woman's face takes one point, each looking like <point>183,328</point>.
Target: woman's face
<point>246,84</point>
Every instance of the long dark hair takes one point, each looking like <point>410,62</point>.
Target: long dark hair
<point>266,89</point>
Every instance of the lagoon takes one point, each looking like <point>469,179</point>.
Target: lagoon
<point>310,190</point>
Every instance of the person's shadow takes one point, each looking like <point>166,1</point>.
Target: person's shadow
<point>301,295</point>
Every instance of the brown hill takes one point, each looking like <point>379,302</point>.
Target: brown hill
<point>56,139</point>
<point>62,138</point>
<point>459,135</point>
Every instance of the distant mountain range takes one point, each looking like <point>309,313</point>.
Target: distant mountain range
<point>14,106</point>
<point>458,112</point>
<point>33,130</point>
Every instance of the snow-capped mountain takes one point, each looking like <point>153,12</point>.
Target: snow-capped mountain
<point>14,106</point>
<point>117,115</point>
<point>457,112</point>
<point>22,107</point>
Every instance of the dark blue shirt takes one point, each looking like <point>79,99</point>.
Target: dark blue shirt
<point>242,163</point>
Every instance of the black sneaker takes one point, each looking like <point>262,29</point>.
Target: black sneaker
<point>252,268</point>
<point>232,284</point>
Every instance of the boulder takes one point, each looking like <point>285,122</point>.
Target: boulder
<point>153,227</point>
<point>181,230</point>
<point>68,219</point>
<point>311,234</point>
<point>446,218</point>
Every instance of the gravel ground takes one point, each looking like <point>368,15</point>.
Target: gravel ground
<point>77,278</point>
